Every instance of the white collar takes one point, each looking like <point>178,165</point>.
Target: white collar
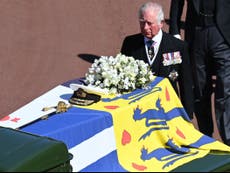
<point>157,38</point>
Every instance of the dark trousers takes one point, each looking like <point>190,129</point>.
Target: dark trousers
<point>211,55</point>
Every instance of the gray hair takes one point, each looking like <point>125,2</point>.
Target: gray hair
<point>154,7</point>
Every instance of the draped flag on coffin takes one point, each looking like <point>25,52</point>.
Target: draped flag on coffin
<point>153,132</point>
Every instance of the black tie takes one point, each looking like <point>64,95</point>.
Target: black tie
<point>150,45</point>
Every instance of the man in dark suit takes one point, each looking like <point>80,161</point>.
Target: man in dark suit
<point>167,56</point>
<point>207,27</point>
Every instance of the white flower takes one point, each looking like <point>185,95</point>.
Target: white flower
<point>118,74</point>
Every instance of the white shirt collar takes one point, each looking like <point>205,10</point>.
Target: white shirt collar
<point>157,38</point>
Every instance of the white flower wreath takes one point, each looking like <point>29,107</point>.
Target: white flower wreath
<point>118,74</point>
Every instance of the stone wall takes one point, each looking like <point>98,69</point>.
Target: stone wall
<point>44,42</point>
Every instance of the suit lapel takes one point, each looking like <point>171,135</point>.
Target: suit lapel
<point>157,64</point>
<point>196,4</point>
<point>140,52</point>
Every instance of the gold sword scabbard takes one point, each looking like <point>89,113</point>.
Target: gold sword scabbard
<point>61,107</point>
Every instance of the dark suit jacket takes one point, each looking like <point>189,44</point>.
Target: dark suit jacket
<point>134,46</point>
<point>222,17</point>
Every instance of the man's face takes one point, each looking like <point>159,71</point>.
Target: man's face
<point>149,24</point>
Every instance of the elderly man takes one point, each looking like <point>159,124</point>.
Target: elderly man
<point>167,56</point>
